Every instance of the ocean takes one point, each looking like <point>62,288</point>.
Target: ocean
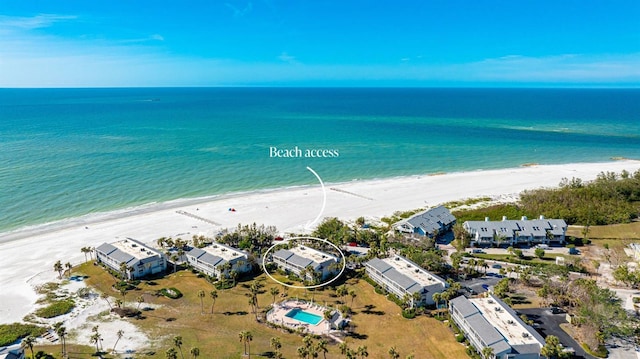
<point>71,152</point>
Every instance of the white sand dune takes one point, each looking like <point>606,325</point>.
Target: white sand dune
<point>28,255</point>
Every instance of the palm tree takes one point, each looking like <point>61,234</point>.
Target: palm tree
<point>171,353</point>
<point>123,270</point>
<point>487,352</point>
<point>57,266</point>
<point>123,293</point>
<point>393,353</point>
<point>343,348</point>
<point>85,250</point>
<point>96,338</point>
<point>353,295</point>
<point>106,297</point>
<point>28,342</point>
<point>274,292</point>
<point>214,296</point>
<point>276,344</point>
<point>321,347</point>
<point>303,352</point>
<point>177,341</point>
<point>195,352</point>
<point>140,300</point>
<point>68,265</point>
<point>436,298</point>
<point>246,337</point>
<point>362,351</point>
<point>201,295</point>
<point>61,332</point>
<point>119,335</point>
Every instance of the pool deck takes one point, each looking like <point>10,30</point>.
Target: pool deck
<point>278,315</point>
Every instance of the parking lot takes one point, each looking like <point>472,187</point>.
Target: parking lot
<point>549,324</point>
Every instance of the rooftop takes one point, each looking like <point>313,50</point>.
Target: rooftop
<point>225,252</point>
<point>506,322</point>
<point>134,248</point>
<point>313,254</point>
<point>413,271</point>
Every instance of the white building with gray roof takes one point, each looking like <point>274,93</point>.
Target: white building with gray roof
<point>12,352</point>
<point>490,322</point>
<point>141,260</point>
<point>432,222</point>
<point>400,276</point>
<point>218,259</point>
<point>300,257</point>
<point>513,232</point>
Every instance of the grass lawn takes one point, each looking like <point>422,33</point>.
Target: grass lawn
<point>216,335</point>
<point>613,231</point>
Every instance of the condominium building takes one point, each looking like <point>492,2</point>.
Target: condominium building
<point>513,232</point>
<point>140,259</point>
<point>490,322</point>
<point>300,257</point>
<point>432,222</point>
<point>218,259</point>
<point>400,276</point>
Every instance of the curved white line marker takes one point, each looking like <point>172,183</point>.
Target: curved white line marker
<point>309,226</point>
<point>344,264</point>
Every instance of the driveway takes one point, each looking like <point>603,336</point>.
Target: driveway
<point>479,285</point>
<point>549,324</point>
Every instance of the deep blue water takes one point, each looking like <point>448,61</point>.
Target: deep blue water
<point>69,152</point>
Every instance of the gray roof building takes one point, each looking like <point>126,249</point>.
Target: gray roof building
<point>428,223</point>
<point>140,259</point>
<point>512,232</point>
<point>489,322</point>
<point>400,276</point>
<point>297,258</point>
<point>211,259</point>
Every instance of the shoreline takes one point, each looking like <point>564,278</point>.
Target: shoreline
<point>29,255</point>
<point>150,207</point>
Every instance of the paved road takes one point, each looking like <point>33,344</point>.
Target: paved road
<point>549,324</point>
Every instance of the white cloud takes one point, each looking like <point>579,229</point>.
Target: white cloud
<point>33,22</point>
<point>157,37</point>
<point>284,57</point>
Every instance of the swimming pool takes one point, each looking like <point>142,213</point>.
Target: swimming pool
<point>305,317</point>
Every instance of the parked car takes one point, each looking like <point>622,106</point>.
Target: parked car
<point>496,266</point>
<point>574,251</point>
<point>477,251</point>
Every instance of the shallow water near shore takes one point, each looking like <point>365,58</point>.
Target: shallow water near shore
<point>72,152</point>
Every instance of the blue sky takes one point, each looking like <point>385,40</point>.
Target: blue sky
<point>98,43</point>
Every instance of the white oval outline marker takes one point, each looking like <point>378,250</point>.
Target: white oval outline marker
<point>344,265</point>
<point>324,200</point>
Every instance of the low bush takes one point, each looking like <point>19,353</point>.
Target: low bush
<point>460,338</point>
<point>10,333</point>
<point>56,308</point>
<point>409,313</point>
<point>172,293</point>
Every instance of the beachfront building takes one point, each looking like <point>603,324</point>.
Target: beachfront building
<point>12,352</point>
<point>400,276</point>
<point>490,322</point>
<point>218,259</point>
<point>431,223</point>
<point>514,232</point>
<point>140,259</point>
<point>299,258</point>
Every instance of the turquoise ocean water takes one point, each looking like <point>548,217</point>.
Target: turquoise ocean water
<point>70,152</point>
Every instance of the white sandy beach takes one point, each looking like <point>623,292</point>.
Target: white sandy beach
<point>28,255</point>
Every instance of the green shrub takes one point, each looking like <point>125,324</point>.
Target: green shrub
<point>409,313</point>
<point>172,293</point>
<point>56,308</point>
<point>460,338</point>
<point>10,333</point>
